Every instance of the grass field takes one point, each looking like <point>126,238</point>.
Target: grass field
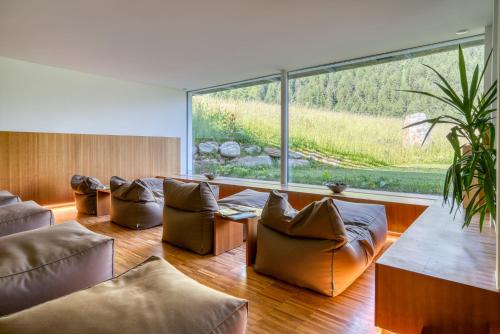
<point>369,149</point>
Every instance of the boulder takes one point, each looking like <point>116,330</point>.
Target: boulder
<point>258,161</point>
<point>295,155</point>
<point>195,150</point>
<point>273,152</point>
<point>253,149</point>
<point>230,149</point>
<point>208,147</point>
<point>298,163</point>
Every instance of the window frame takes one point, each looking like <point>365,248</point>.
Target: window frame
<point>284,77</point>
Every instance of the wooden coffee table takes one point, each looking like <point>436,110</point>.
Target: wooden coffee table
<point>228,234</point>
<point>103,202</point>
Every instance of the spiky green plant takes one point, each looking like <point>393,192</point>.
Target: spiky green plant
<point>472,174</point>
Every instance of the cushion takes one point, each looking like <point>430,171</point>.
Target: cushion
<point>136,191</point>
<point>153,297</point>
<point>247,197</point>
<point>23,216</point>
<point>194,197</point>
<point>85,184</point>
<point>8,198</point>
<point>50,262</point>
<point>319,220</point>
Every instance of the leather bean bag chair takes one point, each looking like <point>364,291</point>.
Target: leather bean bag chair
<point>48,263</point>
<point>188,215</point>
<point>324,247</point>
<point>23,216</point>
<point>85,192</point>
<point>153,297</point>
<point>247,197</point>
<point>137,204</point>
<point>7,198</point>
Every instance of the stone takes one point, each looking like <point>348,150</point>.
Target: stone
<point>299,163</point>
<point>295,155</point>
<point>208,147</point>
<point>272,152</point>
<point>415,135</point>
<point>253,149</point>
<point>195,150</point>
<point>208,162</point>
<point>230,149</point>
<point>257,161</point>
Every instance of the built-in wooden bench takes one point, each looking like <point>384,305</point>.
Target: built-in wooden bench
<point>436,278</point>
<point>402,209</point>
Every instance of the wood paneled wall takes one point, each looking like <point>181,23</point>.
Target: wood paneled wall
<point>38,166</point>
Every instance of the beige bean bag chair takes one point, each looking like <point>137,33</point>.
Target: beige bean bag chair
<point>50,262</point>
<point>188,215</point>
<point>23,216</point>
<point>136,204</point>
<point>324,247</point>
<point>154,297</point>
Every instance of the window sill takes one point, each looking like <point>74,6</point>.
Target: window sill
<point>374,196</point>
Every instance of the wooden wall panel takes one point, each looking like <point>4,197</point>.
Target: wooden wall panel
<point>39,166</point>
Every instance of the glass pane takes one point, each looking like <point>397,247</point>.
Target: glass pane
<point>348,125</point>
<point>237,132</point>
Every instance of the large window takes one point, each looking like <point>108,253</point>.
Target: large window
<point>346,123</point>
<point>236,132</point>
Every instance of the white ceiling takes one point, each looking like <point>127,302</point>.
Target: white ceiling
<point>192,44</point>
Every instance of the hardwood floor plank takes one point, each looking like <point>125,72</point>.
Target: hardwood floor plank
<point>274,306</point>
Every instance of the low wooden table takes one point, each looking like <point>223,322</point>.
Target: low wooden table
<point>228,234</point>
<point>103,202</point>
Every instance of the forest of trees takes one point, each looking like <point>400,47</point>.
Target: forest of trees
<point>371,89</point>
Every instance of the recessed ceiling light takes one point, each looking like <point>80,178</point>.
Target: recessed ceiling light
<point>462,32</point>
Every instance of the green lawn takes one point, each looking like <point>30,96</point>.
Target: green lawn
<point>369,149</point>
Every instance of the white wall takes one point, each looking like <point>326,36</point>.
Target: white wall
<point>41,98</point>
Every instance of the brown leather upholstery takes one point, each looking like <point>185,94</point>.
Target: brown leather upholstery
<point>85,192</point>
<point>7,198</point>
<point>23,216</point>
<point>154,297</point>
<point>325,247</point>
<point>50,262</point>
<point>137,204</point>
<point>188,215</point>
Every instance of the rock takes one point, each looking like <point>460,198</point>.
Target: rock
<point>298,163</point>
<point>230,149</point>
<point>252,149</point>
<point>208,147</point>
<point>295,155</point>
<point>258,161</point>
<point>195,150</point>
<point>272,152</point>
<point>415,135</point>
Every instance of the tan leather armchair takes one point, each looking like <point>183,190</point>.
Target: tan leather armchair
<point>324,247</point>
<point>188,215</point>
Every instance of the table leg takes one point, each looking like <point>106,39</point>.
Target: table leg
<point>251,240</point>
<point>227,235</point>
<point>103,203</point>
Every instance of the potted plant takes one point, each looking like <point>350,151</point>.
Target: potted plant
<point>470,181</point>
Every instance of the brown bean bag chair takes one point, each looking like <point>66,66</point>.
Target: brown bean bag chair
<point>316,248</point>
<point>7,198</point>
<point>23,216</point>
<point>154,297</point>
<point>50,262</point>
<point>188,215</point>
<point>137,204</point>
<point>85,192</point>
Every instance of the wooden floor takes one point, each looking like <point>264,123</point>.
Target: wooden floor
<point>274,306</point>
